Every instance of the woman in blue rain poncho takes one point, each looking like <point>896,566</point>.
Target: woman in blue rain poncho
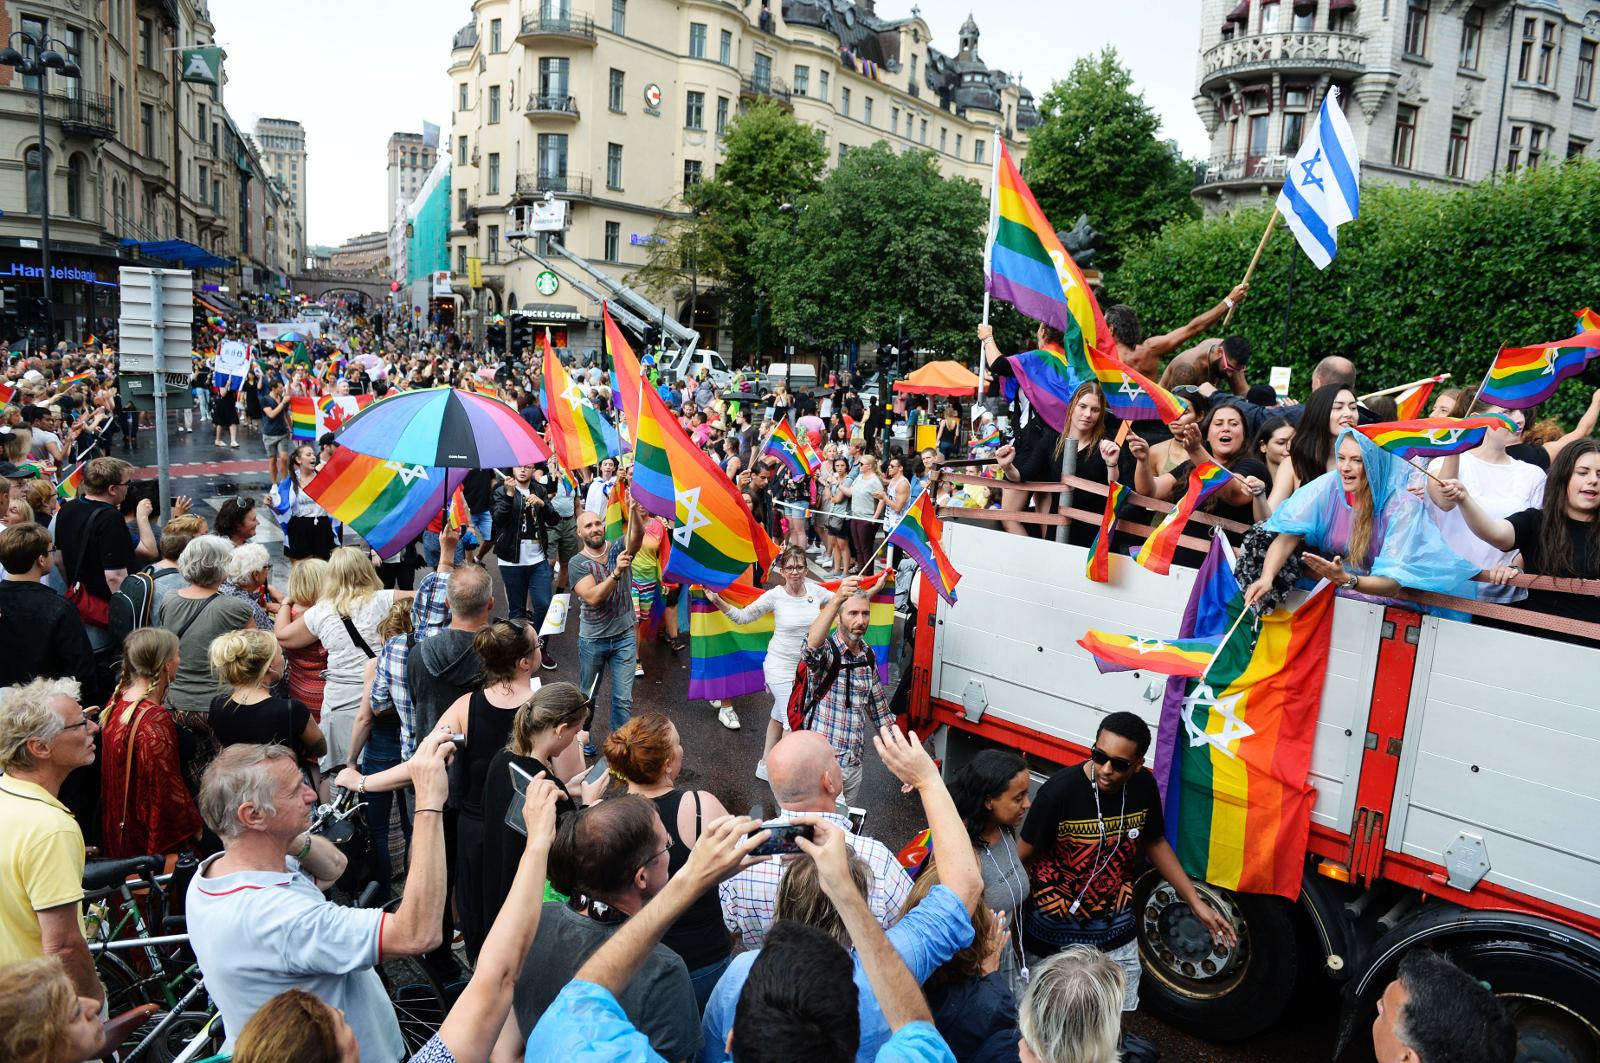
<point>1360,515</point>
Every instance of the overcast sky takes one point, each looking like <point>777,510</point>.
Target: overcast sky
<point>354,71</point>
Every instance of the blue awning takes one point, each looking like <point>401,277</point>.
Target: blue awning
<point>179,252</point>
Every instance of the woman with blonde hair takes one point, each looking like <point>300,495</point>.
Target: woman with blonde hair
<point>251,663</point>
<point>306,663</point>
<point>145,807</point>
<point>345,620</point>
<point>43,1019</point>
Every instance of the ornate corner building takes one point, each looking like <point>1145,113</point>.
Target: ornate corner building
<point>1443,92</point>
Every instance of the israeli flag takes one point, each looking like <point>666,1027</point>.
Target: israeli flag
<point>1320,191</point>
<point>281,498</point>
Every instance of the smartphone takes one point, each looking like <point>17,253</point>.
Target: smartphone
<point>459,741</point>
<point>520,781</point>
<point>596,772</point>
<point>858,816</point>
<point>783,838</point>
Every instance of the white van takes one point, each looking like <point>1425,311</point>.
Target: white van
<point>801,376</point>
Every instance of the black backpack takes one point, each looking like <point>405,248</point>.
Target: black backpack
<point>132,607</point>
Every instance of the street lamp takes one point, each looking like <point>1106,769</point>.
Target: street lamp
<point>43,60</point>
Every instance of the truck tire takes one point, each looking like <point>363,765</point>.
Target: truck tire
<point>1553,998</point>
<point>1220,995</point>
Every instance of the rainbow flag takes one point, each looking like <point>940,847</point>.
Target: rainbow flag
<point>617,511</point>
<point>457,515</point>
<point>790,449</point>
<point>1588,320</point>
<point>1156,553</point>
<point>1236,745</point>
<point>1410,403</point>
<point>1130,394</point>
<point>7,392</point>
<point>92,341</point>
<point>625,364</point>
<point>914,855</point>
<point>303,420</point>
<point>990,438</point>
<point>917,534</point>
<point>71,485</point>
<point>1434,436</point>
<point>715,537</point>
<point>387,503</point>
<point>1098,567</point>
<point>578,434</point>
<point>725,658</point>
<point>1525,376</point>
<point>880,619</point>
<point>1124,653</point>
<point>85,377</point>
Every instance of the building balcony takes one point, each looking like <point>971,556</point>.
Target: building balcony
<point>1240,168</point>
<point>770,87</point>
<point>86,114</point>
<point>568,186</point>
<point>546,106</point>
<point>1310,52</point>
<point>540,26</point>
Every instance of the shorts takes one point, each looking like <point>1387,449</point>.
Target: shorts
<point>276,445</point>
<point>780,700</point>
<point>566,536</point>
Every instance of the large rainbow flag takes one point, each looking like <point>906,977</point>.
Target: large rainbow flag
<point>917,534</point>
<point>387,502</point>
<point>625,365</point>
<point>1525,376</point>
<point>725,658</point>
<point>577,433</point>
<point>794,451</point>
<point>1156,553</point>
<point>1235,746</point>
<point>715,537</point>
<point>1434,436</point>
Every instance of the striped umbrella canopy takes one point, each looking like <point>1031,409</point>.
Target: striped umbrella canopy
<point>443,427</point>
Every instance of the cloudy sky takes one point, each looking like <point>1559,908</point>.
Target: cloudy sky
<point>354,71</point>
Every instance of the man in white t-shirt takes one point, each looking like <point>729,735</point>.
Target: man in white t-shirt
<point>257,919</point>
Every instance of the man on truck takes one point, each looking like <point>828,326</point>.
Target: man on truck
<point>1081,841</point>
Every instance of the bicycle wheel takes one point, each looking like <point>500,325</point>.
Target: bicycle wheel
<point>125,988</point>
<point>419,1000</point>
<point>177,1031</point>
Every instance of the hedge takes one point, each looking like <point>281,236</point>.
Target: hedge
<point>1425,281</point>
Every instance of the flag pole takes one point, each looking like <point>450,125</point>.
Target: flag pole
<point>1250,270</point>
<point>891,531</point>
<point>1244,612</point>
<point>988,246</point>
<point>1441,378</point>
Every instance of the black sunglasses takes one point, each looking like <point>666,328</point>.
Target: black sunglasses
<point>1120,765</point>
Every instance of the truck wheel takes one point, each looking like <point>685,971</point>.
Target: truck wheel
<point>1553,998</point>
<point>1214,992</point>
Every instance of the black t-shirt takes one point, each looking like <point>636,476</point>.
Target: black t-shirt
<point>279,720</point>
<point>92,536</point>
<point>1528,525</point>
<point>1532,453</point>
<point>1086,856</point>
<point>478,490</point>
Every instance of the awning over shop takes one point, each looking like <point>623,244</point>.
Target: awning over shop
<point>213,304</point>
<point>179,253</point>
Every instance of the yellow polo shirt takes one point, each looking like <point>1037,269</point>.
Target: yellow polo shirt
<point>41,864</point>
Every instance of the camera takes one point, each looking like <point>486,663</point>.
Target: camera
<point>782,839</point>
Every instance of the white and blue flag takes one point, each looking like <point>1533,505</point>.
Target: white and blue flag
<point>281,499</point>
<point>1321,189</point>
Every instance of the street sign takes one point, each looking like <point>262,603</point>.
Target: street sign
<point>137,335</point>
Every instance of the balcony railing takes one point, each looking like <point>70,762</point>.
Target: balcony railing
<point>87,113</point>
<point>530,184</point>
<point>1303,52</point>
<point>1241,166</point>
<point>774,87</point>
<point>541,104</point>
<point>542,24</point>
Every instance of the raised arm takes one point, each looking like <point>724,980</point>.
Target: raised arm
<point>1271,565</point>
<point>752,612</point>
<point>1582,430</point>
<point>1156,347</point>
<point>952,851</point>
<point>1146,480</point>
<point>818,634</point>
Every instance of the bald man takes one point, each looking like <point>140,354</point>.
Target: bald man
<point>806,781</point>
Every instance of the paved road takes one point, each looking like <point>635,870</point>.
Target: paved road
<point>717,759</point>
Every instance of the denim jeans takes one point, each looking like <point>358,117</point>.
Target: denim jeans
<point>430,550</point>
<point>524,582</point>
<point>618,653</point>
<point>383,751</point>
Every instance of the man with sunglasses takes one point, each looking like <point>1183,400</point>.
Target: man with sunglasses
<point>1082,841</point>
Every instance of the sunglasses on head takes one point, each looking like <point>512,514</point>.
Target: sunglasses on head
<point>1102,758</point>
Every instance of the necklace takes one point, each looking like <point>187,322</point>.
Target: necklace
<point>1016,896</point>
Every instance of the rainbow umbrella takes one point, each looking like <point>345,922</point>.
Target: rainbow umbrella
<point>443,427</point>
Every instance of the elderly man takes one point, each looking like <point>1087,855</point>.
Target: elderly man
<point>44,735</point>
<point>843,699</point>
<point>258,922</point>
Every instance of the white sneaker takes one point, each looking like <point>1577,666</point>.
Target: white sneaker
<point>638,670</point>
<point>761,769</point>
<point>728,718</point>
<point>814,550</point>
<point>825,564</point>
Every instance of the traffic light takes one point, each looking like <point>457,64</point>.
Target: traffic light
<point>521,334</point>
<point>495,335</point>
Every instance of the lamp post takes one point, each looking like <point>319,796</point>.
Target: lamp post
<point>43,60</point>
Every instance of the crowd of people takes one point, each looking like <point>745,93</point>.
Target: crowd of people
<point>168,691</point>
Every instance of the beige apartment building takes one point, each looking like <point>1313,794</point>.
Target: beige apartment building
<point>618,109</point>
<point>1439,92</point>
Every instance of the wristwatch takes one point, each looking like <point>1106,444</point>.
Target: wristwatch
<point>1350,584</point>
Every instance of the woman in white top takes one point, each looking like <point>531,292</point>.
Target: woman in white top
<point>600,488</point>
<point>1500,484</point>
<point>794,604</point>
<point>353,603</point>
<point>310,530</point>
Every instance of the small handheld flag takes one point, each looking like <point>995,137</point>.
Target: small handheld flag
<point>918,534</point>
<point>85,377</point>
<point>1125,653</point>
<point>71,484</point>
<point>784,445</point>
<point>458,516</point>
<point>1521,377</point>
<point>1410,403</point>
<point>1434,436</point>
<point>617,511</point>
<point>1098,567</point>
<point>1320,191</point>
<point>1156,553</point>
<point>1588,320</point>
<point>281,498</point>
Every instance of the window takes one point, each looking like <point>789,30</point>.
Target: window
<point>1269,16</point>
<point>461,151</point>
<point>200,120</point>
<point>1576,147</point>
<point>75,186</point>
<point>461,259</point>
<point>943,133</point>
<point>1535,146</point>
<point>147,43</point>
<point>30,163</point>
<point>691,173</point>
<point>204,183</point>
<point>1584,89</point>
<point>494,104</point>
<point>1342,20</point>
<point>1536,58</point>
<point>822,86</point>
<point>1294,127</point>
<point>1416,27</point>
<point>493,242</point>
<point>614,91</point>
<point>614,166</point>
<point>1547,54</point>
<point>553,159</point>
<point>1460,139</point>
<point>461,204</point>
<point>1514,151</point>
<point>39,29</point>
<point>894,119</point>
<point>492,185</point>
<point>802,80</point>
<point>147,129</point>
<point>1405,135</point>
<point>922,132</point>
<point>619,17</point>
<point>958,145</point>
<point>977,150</point>
<point>725,48</point>
<point>1257,143</point>
<point>553,83</point>
<point>1304,18</point>
<point>697,40</point>
<point>844,101</point>
<point>613,249</point>
<point>866,109</point>
<point>494,37</point>
<point>461,96</point>
<point>694,111</point>
<point>72,39</point>
<point>843,149</point>
<point>761,71</point>
<point>722,114</point>
<point>1471,38</point>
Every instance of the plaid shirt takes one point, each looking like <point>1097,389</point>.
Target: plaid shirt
<point>842,714</point>
<point>749,897</point>
<point>430,614</point>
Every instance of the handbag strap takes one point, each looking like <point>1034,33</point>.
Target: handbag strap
<point>355,637</point>
<point>189,623</point>
<point>127,769</point>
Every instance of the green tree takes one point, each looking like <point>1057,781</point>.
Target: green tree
<point>1425,281</point>
<point>887,236</point>
<point>1096,152</point>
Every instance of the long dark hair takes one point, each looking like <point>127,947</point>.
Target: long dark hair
<point>1258,442</point>
<point>1557,552</point>
<point>1313,443</point>
<point>984,776</point>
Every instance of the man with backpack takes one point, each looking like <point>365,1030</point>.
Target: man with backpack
<point>96,556</point>
<point>42,632</point>
<point>842,699</point>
